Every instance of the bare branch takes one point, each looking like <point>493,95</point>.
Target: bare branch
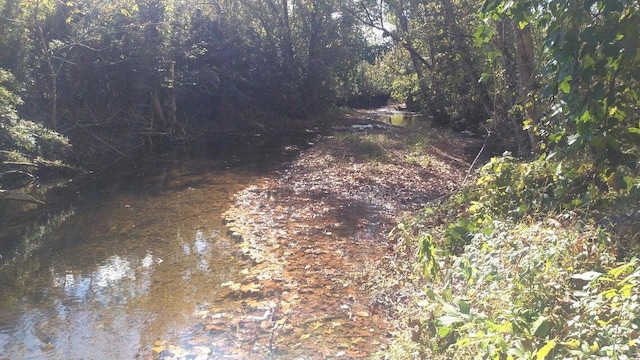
<point>18,196</point>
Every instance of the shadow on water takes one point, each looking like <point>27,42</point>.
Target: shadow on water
<point>123,257</point>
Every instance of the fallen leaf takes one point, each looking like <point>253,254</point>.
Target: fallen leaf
<point>251,287</point>
<point>197,341</point>
<point>253,303</point>
<point>305,336</point>
<point>202,313</point>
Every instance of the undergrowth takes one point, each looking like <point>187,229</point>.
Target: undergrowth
<point>535,261</point>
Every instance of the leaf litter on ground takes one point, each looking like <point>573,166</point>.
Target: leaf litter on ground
<point>314,231</point>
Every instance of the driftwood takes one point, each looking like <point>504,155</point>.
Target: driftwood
<point>18,196</point>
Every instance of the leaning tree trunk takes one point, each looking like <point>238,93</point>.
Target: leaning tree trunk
<point>416,59</point>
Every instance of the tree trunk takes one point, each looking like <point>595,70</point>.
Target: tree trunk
<point>528,84</point>
<point>173,108</point>
<point>506,44</point>
<point>287,42</point>
<point>471,72</point>
<point>416,59</point>
<point>157,106</point>
<point>53,74</point>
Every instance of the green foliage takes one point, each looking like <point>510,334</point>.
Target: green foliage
<point>25,143</point>
<point>589,78</point>
<point>520,293</point>
<point>524,271</point>
<point>509,188</point>
<point>528,290</point>
<point>368,85</point>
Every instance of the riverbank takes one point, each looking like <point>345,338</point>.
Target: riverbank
<point>317,232</point>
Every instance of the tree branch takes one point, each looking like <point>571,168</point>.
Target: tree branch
<point>18,196</point>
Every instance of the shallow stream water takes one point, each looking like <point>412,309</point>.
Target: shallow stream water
<point>128,255</point>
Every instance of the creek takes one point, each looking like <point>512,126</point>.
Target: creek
<point>127,256</point>
<point>124,258</point>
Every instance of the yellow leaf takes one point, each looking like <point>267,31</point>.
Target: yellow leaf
<point>305,336</point>
<point>316,325</point>
<point>254,303</point>
<point>545,350</point>
<point>158,349</point>
<point>572,344</point>
<point>251,287</point>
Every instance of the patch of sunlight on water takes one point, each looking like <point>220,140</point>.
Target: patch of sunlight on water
<point>400,118</point>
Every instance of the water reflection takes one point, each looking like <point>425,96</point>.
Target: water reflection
<point>32,240</point>
<point>129,265</point>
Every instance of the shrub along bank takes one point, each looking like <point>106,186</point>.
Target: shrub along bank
<point>532,262</point>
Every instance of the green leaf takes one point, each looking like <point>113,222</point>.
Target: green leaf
<point>464,307</point>
<point>541,327</point>
<point>484,78</point>
<point>587,61</point>
<point>617,271</point>
<point>444,331</point>
<point>565,86</point>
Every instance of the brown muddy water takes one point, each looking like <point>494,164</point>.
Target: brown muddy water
<point>127,256</point>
